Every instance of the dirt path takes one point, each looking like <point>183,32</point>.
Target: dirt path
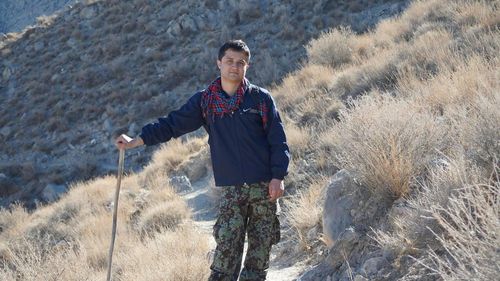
<point>203,202</point>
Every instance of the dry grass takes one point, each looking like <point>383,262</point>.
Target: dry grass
<point>69,239</point>
<point>297,138</point>
<point>179,255</point>
<point>412,228</point>
<point>165,216</point>
<point>304,211</point>
<point>424,125</point>
<point>300,85</point>
<point>386,142</point>
<point>472,235</point>
<point>170,156</point>
<point>451,229</point>
<point>479,128</point>
<point>332,48</point>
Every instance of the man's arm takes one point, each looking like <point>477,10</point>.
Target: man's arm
<point>280,153</point>
<point>184,120</point>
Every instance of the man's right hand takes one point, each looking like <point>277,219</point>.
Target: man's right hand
<point>126,142</point>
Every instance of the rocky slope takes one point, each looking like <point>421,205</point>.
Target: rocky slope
<point>97,69</point>
<point>16,15</point>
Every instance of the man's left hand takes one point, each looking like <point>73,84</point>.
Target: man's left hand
<point>276,189</point>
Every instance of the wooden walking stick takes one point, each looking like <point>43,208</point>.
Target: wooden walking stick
<point>115,210</point>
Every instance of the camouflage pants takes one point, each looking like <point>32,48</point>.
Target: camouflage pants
<point>244,210</point>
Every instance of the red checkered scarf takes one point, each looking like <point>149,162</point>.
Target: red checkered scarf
<point>214,103</point>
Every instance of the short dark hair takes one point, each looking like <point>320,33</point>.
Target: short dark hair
<point>237,45</point>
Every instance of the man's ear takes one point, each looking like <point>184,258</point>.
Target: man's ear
<point>219,63</point>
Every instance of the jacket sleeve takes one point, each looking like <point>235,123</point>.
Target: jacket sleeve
<point>280,153</point>
<point>184,120</point>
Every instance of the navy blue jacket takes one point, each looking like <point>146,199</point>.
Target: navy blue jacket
<point>242,150</point>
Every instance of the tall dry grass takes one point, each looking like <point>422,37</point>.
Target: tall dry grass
<point>472,235</point>
<point>69,239</point>
<point>419,121</point>
<point>386,142</point>
<point>304,211</point>
<point>451,228</point>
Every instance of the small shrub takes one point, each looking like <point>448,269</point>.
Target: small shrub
<point>378,73</point>
<point>386,142</point>
<point>415,226</point>
<point>166,216</point>
<point>333,48</point>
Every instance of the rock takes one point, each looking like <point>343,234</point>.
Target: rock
<point>88,12</point>
<point>344,245</point>
<point>174,29</point>
<point>108,125</point>
<point>369,17</point>
<point>373,265</point>
<point>360,278</point>
<point>181,183</point>
<point>196,166</point>
<point>184,26</point>
<point>5,131</point>
<point>389,254</point>
<point>52,192</point>
<point>342,208</point>
<point>338,205</point>
<point>188,25</point>
<point>6,73</point>
<point>72,43</point>
<point>6,52</point>
<point>7,186</point>
<point>250,10</point>
<point>39,46</point>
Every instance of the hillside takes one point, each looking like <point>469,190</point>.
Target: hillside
<point>395,141</point>
<point>15,15</point>
<point>80,77</point>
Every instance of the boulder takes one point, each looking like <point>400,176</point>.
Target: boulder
<point>340,200</point>
<point>349,204</point>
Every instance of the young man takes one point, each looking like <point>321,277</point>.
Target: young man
<point>249,155</point>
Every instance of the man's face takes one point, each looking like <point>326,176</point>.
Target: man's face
<point>233,65</point>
